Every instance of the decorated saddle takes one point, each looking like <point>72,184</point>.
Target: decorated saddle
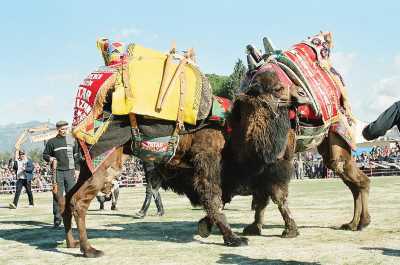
<point>165,90</point>
<point>307,67</point>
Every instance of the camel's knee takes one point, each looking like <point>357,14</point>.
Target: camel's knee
<point>365,184</point>
<point>354,175</point>
<point>337,166</point>
<point>279,194</point>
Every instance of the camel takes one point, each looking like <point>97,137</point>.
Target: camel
<point>257,159</point>
<point>194,171</point>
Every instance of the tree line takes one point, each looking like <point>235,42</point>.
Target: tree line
<point>228,86</point>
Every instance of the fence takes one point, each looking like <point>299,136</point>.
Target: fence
<point>4,188</point>
<point>312,169</point>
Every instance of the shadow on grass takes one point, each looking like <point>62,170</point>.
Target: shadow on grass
<point>107,213</point>
<point>225,209</point>
<point>44,237</point>
<point>386,251</point>
<point>238,259</point>
<point>41,235</point>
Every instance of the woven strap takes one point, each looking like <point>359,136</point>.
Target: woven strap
<point>86,154</point>
<point>136,136</point>
<point>180,116</point>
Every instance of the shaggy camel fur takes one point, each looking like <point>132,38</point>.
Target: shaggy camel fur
<point>257,160</point>
<point>195,171</point>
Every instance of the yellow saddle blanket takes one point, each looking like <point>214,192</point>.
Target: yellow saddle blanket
<point>141,91</point>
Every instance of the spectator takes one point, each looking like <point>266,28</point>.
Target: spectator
<point>153,185</point>
<point>23,168</point>
<point>64,149</point>
<point>387,120</point>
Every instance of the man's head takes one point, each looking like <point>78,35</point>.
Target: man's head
<point>62,128</point>
<point>21,154</point>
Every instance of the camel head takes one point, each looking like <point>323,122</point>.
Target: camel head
<point>260,120</point>
<point>269,87</point>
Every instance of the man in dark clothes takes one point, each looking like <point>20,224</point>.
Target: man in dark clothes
<point>383,123</point>
<point>23,168</point>
<point>64,150</point>
<point>153,185</point>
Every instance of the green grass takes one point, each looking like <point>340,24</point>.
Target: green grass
<point>318,206</point>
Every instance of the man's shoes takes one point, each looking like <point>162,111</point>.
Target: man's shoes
<point>114,207</point>
<point>12,206</point>
<point>160,213</point>
<point>31,206</point>
<point>139,215</point>
<point>57,223</point>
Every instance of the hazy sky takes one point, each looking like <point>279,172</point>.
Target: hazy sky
<point>50,46</point>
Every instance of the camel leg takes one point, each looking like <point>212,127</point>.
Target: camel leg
<point>337,156</point>
<point>260,203</point>
<point>67,210</point>
<point>279,197</point>
<point>280,173</point>
<point>85,192</point>
<point>207,184</point>
<point>204,227</point>
<point>359,185</point>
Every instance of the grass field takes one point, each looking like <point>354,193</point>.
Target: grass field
<point>319,207</point>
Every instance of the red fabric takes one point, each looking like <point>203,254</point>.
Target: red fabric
<point>271,67</point>
<point>292,114</point>
<point>225,103</point>
<point>304,112</point>
<point>226,106</point>
<point>86,94</point>
<point>325,91</point>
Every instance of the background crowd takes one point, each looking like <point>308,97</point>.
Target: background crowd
<point>131,175</point>
<point>374,161</point>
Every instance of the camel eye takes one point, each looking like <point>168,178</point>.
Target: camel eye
<point>301,92</point>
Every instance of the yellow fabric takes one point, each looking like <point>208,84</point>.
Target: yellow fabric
<point>120,103</point>
<point>146,67</point>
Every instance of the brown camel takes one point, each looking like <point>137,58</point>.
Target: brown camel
<point>194,171</point>
<point>257,159</point>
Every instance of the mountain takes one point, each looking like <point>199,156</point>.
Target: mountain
<point>10,132</point>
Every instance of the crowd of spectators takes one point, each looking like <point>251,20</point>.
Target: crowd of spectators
<point>379,154</point>
<point>310,165</point>
<point>131,175</point>
<point>306,165</point>
<point>374,161</point>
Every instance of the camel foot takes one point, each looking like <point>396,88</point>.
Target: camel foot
<point>92,253</point>
<point>235,241</point>
<point>204,227</point>
<point>349,227</point>
<point>252,230</point>
<point>290,233</point>
<point>73,244</point>
<point>363,225</point>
